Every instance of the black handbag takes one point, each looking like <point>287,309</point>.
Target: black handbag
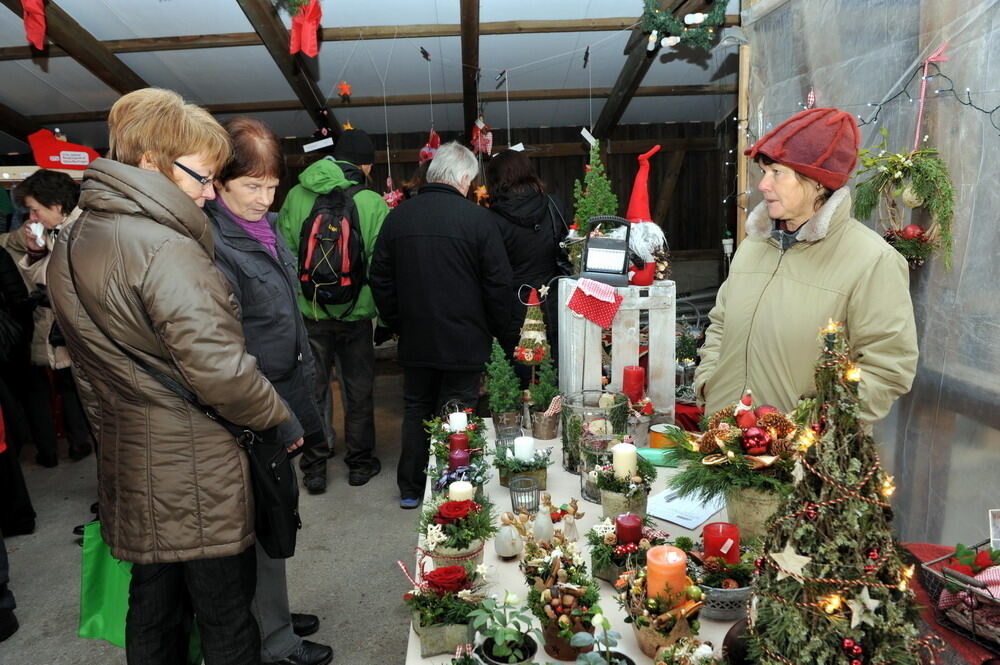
<point>275,492</point>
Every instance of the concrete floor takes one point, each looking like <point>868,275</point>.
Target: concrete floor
<point>344,569</point>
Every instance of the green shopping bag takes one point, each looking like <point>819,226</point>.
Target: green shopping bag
<point>104,583</point>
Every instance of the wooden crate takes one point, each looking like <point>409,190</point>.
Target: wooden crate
<point>580,342</point>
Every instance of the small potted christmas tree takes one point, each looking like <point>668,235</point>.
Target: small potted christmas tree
<point>594,197</point>
<point>504,389</point>
<point>545,389</point>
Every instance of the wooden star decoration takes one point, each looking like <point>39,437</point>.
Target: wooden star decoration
<point>543,291</point>
<point>790,563</point>
<point>863,609</point>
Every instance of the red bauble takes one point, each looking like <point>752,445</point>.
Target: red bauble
<point>911,232</point>
<point>765,408</point>
<point>755,441</point>
<point>856,662</point>
<point>848,643</point>
<point>857,650</point>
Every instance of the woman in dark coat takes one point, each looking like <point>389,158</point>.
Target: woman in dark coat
<point>261,271</point>
<point>534,223</point>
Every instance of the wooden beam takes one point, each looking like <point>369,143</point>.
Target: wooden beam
<point>264,18</point>
<point>222,40</point>
<point>630,77</point>
<point>541,150</point>
<point>17,125</point>
<point>742,162</point>
<point>470,64</point>
<point>411,100</point>
<point>85,48</point>
<point>665,194</point>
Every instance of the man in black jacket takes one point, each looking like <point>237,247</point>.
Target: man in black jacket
<point>442,281</point>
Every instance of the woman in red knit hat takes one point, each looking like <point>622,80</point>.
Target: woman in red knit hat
<point>806,261</point>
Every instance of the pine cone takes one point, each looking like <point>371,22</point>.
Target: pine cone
<point>781,425</point>
<point>610,539</point>
<point>707,444</point>
<point>715,564</point>
<point>719,416</point>
<point>782,446</point>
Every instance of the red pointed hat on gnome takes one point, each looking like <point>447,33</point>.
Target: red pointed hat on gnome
<point>638,203</point>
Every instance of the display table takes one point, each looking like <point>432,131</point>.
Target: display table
<point>506,575</point>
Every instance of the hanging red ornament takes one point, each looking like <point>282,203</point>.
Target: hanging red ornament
<point>847,644</point>
<point>911,232</point>
<point>482,138</point>
<point>33,12</point>
<point>392,196</point>
<point>431,147</point>
<point>344,90</point>
<point>304,35</point>
<point>755,440</point>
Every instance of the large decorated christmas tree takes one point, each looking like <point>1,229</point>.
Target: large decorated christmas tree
<point>832,587</point>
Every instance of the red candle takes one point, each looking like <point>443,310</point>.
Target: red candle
<point>633,382</point>
<point>628,528</point>
<point>457,458</point>
<point>722,539</point>
<point>458,441</point>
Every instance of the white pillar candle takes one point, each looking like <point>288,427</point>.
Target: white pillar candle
<point>524,448</point>
<point>624,460</point>
<point>461,490</point>
<point>458,421</point>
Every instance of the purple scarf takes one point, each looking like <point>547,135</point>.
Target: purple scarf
<point>260,231</point>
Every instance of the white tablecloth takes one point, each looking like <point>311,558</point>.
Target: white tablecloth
<point>563,486</point>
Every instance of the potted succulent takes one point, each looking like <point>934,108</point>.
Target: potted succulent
<point>625,495</point>
<point>508,632</point>
<point>602,642</point>
<point>746,455</point>
<point>545,389</point>
<point>509,466</point>
<point>657,621</point>
<point>504,389</point>
<point>454,532</point>
<point>441,605</point>
<point>609,557</point>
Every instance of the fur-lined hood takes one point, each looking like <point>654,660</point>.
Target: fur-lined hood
<point>836,210</point>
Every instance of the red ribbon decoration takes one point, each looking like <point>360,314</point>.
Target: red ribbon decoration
<point>936,56</point>
<point>34,22</point>
<point>305,29</point>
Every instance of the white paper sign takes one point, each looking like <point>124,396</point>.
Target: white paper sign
<point>687,512</point>
<point>316,145</point>
<point>518,146</point>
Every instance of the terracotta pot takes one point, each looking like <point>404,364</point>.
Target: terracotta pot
<point>614,504</point>
<point>442,637</point>
<point>540,475</point>
<point>483,652</point>
<point>560,648</point>
<point>750,510</point>
<point>502,419</point>
<point>543,426</point>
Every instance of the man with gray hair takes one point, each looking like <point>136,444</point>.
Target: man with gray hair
<point>441,280</point>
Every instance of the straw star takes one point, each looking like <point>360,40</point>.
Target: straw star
<point>543,291</point>
<point>863,609</point>
<point>790,563</point>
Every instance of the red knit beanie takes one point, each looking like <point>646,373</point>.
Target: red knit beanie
<point>821,144</point>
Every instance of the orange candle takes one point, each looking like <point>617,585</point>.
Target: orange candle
<point>666,573</point>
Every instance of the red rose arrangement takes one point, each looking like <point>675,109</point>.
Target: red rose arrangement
<point>448,579</point>
<point>450,511</point>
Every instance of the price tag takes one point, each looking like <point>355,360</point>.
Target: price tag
<point>316,145</point>
<point>588,136</point>
<point>726,546</point>
<point>518,146</point>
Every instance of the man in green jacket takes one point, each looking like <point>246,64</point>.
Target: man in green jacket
<point>341,333</point>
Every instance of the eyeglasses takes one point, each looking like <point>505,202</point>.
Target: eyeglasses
<point>204,181</point>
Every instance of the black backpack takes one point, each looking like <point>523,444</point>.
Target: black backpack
<point>332,250</point>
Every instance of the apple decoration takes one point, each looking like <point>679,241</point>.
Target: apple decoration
<point>765,408</point>
<point>911,232</point>
<point>755,441</point>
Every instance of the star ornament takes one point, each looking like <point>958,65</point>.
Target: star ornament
<point>543,291</point>
<point>790,563</point>
<point>344,90</point>
<point>863,609</point>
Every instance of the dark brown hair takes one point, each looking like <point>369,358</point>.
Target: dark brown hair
<point>824,192</point>
<point>49,188</point>
<point>509,170</point>
<point>256,150</point>
<point>417,180</point>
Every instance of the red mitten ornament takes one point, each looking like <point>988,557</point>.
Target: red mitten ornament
<point>51,153</point>
<point>482,138</point>
<point>431,147</point>
<point>305,30</point>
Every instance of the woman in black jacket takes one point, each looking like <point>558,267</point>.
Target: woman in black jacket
<point>533,225</point>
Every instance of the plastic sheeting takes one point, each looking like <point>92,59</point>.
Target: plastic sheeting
<point>942,441</point>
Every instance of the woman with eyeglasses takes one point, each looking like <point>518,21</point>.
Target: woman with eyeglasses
<point>134,280</point>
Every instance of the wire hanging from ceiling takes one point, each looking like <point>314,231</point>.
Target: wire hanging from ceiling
<point>385,107</point>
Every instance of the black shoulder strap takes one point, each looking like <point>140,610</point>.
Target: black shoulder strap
<point>244,436</point>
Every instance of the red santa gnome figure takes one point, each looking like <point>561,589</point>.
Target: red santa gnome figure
<point>646,237</point>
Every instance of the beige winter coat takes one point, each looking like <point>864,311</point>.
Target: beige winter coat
<point>765,327</point>
<point>173,485</point>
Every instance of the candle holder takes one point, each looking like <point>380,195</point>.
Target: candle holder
<point>507,433</point>
<point>595,454</point>
<point>524,493</point>
<point>583,415</point>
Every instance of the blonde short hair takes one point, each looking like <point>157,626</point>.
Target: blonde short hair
<point>161,126</point>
